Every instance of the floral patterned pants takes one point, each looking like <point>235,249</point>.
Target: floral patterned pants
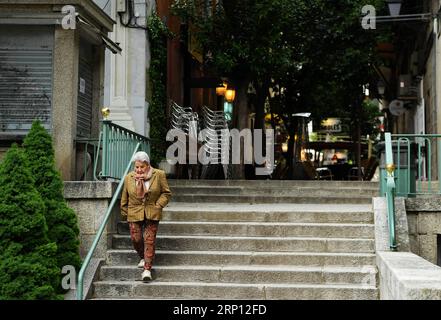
<point>144,244</point>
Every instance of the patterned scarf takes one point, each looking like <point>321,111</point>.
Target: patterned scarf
<point>142,183</point>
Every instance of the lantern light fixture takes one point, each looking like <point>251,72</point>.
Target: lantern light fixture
<point>221,89</point>
<point>230,95</point>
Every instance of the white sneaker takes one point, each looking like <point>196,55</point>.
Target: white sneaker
<point>141,264</point>
<point>146,275</point>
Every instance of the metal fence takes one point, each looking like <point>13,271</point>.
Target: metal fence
<point>418,166</point>
<point>410,167</point>
<point>118,144</point>
<point>106,157</point>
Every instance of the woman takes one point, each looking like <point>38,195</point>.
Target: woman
<point>145,194</point>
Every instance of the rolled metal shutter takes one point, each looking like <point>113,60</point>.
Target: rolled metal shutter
<point>84,112</point>
<point>25,89</point>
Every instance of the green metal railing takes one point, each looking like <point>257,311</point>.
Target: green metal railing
<point>420,153</point>
<point>103,224</point>
<point>117,145</point>
<point>90,151</point>
<point>390,192</point>
<point>409,160</point>
<point>110,152</point>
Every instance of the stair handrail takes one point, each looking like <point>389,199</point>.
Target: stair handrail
<point>117,142</point>
<point>390,191</point>
<point>101,229</point>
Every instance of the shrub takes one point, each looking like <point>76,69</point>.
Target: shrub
<point>61,220</point>
<point>28,268</point>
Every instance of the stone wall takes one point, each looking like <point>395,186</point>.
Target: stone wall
<point>424,219</point>
<point>90,201</point>
<point>406,276</point>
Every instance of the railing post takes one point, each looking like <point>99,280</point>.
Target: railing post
<point>105,156</point>
<point>97,155</point>
<point>117,145</point>
<point>390,190</point>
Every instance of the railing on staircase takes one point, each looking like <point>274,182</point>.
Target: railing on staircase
<point>410,170</point>
<point>415,165</point>
<point>104,223</point>
<point>390,192</point>
<point>88,150</point>
<point>118,143</point>
<point>116,147</point>
<point>104,158</point>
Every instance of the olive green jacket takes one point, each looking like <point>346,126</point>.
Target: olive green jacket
<point>134,209</point>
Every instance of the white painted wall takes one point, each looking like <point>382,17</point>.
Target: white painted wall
<point>126,74</point>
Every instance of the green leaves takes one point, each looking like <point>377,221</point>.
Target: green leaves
<point>38,231</point>
<point>28,268</point>
<point>316,50</point>
<point>158,34</point>
<point>40,154</point>
<point>28,277</point>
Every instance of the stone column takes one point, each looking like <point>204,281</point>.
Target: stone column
<point>65,95</point>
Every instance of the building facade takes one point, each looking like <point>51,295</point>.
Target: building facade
<point>52,69</point>
<point>412,73</point>
<point>125,90</point>
<point>64,75</point>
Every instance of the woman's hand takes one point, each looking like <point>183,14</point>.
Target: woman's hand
<point>142,176</point>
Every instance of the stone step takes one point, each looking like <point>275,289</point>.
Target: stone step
<point>276,183</point>
<point>227,198</point>
<point>275,192</point>
<point>262,229</point>
<point>305,213</point>
<point>225,258</point>
<point>246,274</point>
<point>229,291</point>
<point>276,244</point>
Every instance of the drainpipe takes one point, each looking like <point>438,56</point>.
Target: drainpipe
<point>435,73</point>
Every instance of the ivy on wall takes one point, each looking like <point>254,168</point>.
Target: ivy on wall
<point>158,35</point>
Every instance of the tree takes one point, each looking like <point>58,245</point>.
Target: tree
<point>28,266</point>
<point>61,220</point>
<point>243,41</point>
<point>314,54</point>
<point>328,71</point>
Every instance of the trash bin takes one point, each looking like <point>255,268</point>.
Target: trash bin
<point>404,186</point>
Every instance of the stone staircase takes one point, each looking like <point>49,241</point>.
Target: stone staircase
<point>254,240</point>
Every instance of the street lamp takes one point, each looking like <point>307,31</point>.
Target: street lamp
<point>221,89</point>
<point>230,95</point>
<point>394,7</point>
<point>285,147</point>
